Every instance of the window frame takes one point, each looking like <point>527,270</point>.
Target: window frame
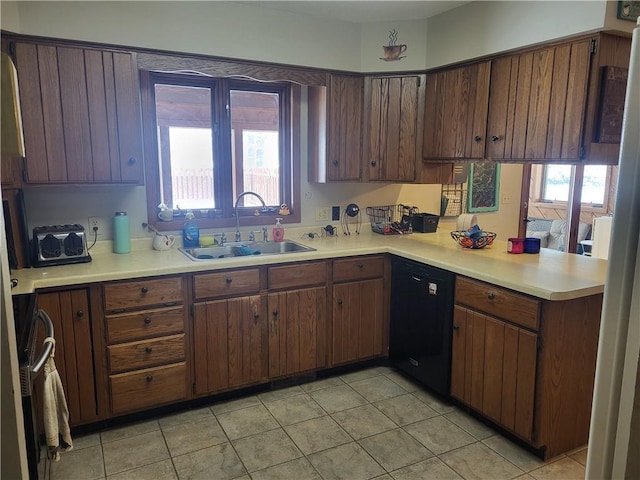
<point>223,215</point>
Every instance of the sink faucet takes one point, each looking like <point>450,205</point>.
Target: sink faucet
<point>235,210</point>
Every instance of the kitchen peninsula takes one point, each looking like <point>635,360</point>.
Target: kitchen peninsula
<point>524,342</point>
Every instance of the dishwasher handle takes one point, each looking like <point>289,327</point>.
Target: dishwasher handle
<point>31,371</point>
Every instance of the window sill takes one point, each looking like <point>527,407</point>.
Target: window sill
<point>584,207</point>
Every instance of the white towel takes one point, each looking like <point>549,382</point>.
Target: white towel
<point>55,411</point>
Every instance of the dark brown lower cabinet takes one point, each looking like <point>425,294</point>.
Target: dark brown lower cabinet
<point>230,343</point>
<point>74,352</point>
<point>297,331</point>
<point>493,369</point>
<point>358,320</point>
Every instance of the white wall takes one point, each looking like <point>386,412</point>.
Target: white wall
<point>251,32</point>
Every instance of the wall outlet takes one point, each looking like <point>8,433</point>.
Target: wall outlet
<point>506,197</point>
<point>94,222</point>
<point>335,213</point>
<point>323,214</point>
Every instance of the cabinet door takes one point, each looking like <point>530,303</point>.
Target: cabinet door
<point>297,331</point>
<point>456,113</point>
<point>69,311</point>
<point>538,103</point>
<point>81,115</point>
<point>344,125</point>
<point>493,369</point>
<point>392,128</point>
<point>230,343</point>
<point>357,320</point>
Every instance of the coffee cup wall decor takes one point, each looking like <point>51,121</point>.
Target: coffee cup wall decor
<point>394,52</point>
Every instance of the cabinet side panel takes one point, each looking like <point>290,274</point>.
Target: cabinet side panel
<point>75,114</point>
<point>52,112</point>
<point>576,100</point>
<point>510,377</point>
<point>493,366</point>
<point>539,102</point>
<point>98,122</point>
<point>32,112</point>
<point>525,390</point>
<point>458,353</point>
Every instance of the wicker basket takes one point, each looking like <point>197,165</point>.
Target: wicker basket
<point>480,241</point>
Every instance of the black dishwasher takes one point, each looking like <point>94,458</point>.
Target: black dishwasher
<point>421,322</point>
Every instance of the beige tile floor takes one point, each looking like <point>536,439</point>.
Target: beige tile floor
<point>371,424</point>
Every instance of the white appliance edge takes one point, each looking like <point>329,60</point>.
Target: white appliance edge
<point>612,438</point>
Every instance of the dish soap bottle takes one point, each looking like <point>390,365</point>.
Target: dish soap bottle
<point>190,233</point>
<point>278,231</point>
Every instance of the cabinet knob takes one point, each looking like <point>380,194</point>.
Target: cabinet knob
<point>144,290</point>
<point>340,302</point>
<point>148,350</point>
<point>477,138</point>
<point>360,265</point>
<point>256,316</point>
<point>147,320</point>
<point>335,163</point>
<point>131,161</point>
<point>79,314</point>
<point>149,378</point>
<point>228,280</point>
<point>275,313</point>
<point>373,163</point>
<point>495,138</point>
<point>456,327</point>
<point>491,295</point>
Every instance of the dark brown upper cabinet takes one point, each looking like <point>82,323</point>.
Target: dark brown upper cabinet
<point>456,113</point>
<point>393,124</point>
<point>335,129</point>
<point>81,115</point>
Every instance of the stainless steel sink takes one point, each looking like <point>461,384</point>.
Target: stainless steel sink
<point>239,249</point>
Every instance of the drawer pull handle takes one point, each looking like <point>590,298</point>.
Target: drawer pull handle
<point>144,290</point>
<point>335,162</point>
<point>79,314</point>
<point>149,378</point>
<point>491,296</point>
<point>360,265</point>
<point>147,320</point>
<point>148,349</point>
<point>131,161</point>
<point>228,280</point>
<point>340,302</point>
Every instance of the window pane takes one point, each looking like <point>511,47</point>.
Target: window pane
<point>257,163</point>
<point>185,146</point>
<point>594,184</point>
<point>556,183</point>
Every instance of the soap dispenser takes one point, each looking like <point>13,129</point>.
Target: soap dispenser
<point>191,232</point>
<point>278,231</point>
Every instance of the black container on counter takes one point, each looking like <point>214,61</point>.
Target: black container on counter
<point>424,222</point>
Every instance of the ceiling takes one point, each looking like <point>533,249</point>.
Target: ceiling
<point>363,11</point>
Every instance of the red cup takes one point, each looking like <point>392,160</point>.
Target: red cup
<point>515,245</point>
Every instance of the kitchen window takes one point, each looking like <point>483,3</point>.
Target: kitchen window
<point>210,139</point>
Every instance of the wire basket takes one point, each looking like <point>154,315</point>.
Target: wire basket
<point>483,240</point>
<point>391,219</point>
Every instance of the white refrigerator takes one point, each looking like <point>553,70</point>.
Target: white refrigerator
<point>614,437</point>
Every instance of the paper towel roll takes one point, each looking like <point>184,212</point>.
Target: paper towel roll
<point>465,221</point>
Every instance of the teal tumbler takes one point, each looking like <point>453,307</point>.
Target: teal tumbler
<point>121,233</point>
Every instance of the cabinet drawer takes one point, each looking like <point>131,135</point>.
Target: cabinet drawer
<point>298,275</point>
<point>226,283</point>
<point>357,268</point>
<point>142,293</point>
<point>125,327</point>
<point>146,353</point>
<point>148,388</point>
<point>498,302</point>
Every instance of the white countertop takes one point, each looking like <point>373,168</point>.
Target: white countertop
<point>549,275</point>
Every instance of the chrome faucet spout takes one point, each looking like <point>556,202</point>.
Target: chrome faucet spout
<point>235,210</point>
